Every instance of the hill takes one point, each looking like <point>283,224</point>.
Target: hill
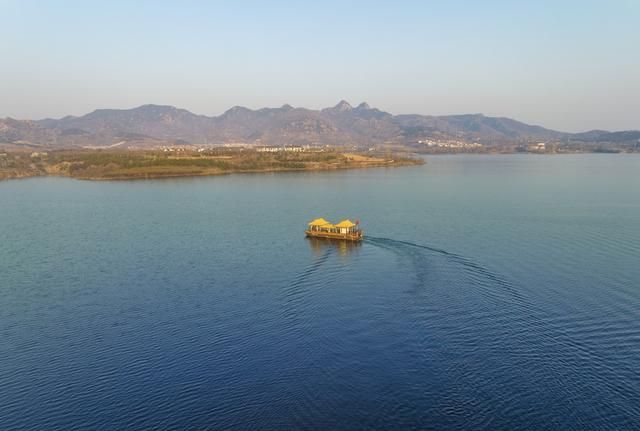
<point>344,125</point>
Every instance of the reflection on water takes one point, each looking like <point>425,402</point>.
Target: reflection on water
<point>320,246</point>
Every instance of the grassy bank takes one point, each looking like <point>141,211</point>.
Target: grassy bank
<point>130,164</point>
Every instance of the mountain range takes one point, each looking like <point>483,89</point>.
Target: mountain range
<point>342,124</point>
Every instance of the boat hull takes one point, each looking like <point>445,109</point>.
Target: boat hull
<point>331,235</point>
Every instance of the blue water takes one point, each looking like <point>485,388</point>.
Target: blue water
<point>496,292</point>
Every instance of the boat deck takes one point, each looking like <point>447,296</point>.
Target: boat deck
<point>355,236</point>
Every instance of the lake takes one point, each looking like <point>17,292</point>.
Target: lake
<point>496,292</point>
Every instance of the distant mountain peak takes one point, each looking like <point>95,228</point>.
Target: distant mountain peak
<point>236,110</point>
<point>155,108</point>
<point>286,107</point>
<point>343,106</point>
<point>363,106</point>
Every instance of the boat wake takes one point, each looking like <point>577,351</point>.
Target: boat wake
<point>296,290</point>
<point>472,268</point>
<point>433,312</point>
<point>311,269</point>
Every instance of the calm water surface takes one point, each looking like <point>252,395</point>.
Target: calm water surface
<point>492,292</point>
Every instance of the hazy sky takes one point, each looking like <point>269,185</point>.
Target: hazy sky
<point>568,65</point>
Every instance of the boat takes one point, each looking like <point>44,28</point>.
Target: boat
<point>345,230</point>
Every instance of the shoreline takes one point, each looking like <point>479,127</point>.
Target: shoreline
<point>215,174</point>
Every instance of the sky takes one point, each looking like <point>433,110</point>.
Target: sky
<point>563,64</point>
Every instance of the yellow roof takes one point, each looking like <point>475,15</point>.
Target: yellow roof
<point>319,222</point>
<point>345,223</point>
<point>328,226</point>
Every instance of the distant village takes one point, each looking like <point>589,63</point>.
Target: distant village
<point>242,147</point>
<point>453,144</point>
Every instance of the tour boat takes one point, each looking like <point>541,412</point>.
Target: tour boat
<point>346,229</point>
